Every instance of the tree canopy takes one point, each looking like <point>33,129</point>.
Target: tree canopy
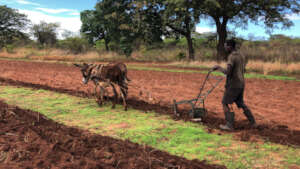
<point>46,33</point>
<point>181,16</point>
<point>240,12</point>
<point>12,23</point>
<point>122,24</point>
<point>125,21</point>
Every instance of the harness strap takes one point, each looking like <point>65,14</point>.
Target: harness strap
<point>101,67</point>
<point>95,73</point>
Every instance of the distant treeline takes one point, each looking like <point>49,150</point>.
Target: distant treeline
<point>127,26</point>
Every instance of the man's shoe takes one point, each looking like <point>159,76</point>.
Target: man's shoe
<point>226,127</point>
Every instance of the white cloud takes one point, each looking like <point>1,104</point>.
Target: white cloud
<point>295,16</point>
<point>204,29</point>
<point>26,2</point>
<point>74,13</point>
<point>69,23</point>
<point>56,11</point>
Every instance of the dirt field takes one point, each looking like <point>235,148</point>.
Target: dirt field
<point>274,103</point>
<point>28,143</point>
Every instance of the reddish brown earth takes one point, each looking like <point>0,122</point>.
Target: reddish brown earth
<point>29,142</point>
<point>274,103</point>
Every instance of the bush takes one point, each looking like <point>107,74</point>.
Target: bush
<point>180,56</point>
<point>114,46</point>
<point>156,45</point>
<point>75,45</point>
<point>198,42</point>
<point>170,42</point>
<point>126,46</point>
<point>182,43</point>
<point>208,55</point>
<point>10,48</point>
<point>100,45</point>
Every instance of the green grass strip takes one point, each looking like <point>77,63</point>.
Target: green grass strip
<point>247,75</point>
<point>180,138</point>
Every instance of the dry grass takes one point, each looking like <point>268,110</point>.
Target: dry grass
<point>269,67</point>
<point>161,54</point>
<point>201,64</point>
<point>257,66</point>
<point>152,55</point>
<point>275,51</point>
<point>57,54</point>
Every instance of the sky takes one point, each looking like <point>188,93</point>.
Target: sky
<point>67,13</point>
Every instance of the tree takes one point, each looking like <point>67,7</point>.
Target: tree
<point>74,44</point>
<point>112,21</point>
<point>94,26</point>
<point>46,33</point>
<point>148,21</point>
<point>67,34</point>
<point>239,12</point>
<point>182,16</point>
<point>279,37</point>
<point>119,25</point>
<point>12,23</point>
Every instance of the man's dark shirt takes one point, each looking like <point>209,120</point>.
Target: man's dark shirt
<point>236,77</point>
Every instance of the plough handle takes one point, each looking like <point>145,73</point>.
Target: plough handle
<point>203,84</point>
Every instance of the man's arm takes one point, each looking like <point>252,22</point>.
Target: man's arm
<point>226,71</point>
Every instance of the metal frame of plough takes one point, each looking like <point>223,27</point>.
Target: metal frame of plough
<point>199,112</point>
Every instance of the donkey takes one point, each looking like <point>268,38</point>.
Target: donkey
<point>123,68</point>
<point>104,76</point>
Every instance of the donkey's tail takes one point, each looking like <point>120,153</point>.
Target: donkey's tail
<point>125,76</point>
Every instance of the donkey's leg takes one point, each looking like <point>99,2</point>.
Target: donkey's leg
<point>102,92</point>
<point>124,98</point>
<point>98,98</point>
<point>115,96</point>
<point>123,85</point>
<point>125,89</point>
<point>95,93</point>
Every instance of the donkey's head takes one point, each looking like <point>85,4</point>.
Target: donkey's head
<point>86,70</point>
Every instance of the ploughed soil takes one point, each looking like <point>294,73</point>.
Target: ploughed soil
<point>274,103</point>
<point>30,140</point>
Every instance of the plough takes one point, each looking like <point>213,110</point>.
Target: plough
<point>199,112</point>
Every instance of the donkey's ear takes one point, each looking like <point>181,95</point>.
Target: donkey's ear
<point>77,65</point>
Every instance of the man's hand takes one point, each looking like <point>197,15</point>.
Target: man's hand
<point>214,68</point>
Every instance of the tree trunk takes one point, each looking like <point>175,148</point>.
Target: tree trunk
<point>222,34</point>
<point>188,36</point>
<point>190,46</point>
<point>106,44</point>
<point>220,48</point>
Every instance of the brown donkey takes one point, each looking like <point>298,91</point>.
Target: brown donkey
<point>113,74</point>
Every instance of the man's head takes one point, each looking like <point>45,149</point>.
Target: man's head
<point>230,45</point>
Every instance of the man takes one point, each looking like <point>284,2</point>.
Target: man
<point>235,85</point>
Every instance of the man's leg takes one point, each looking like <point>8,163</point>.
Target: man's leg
<point>229,117</point>
<point>248,114</point>
<point>241,104</point>
<point>228,98</point>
